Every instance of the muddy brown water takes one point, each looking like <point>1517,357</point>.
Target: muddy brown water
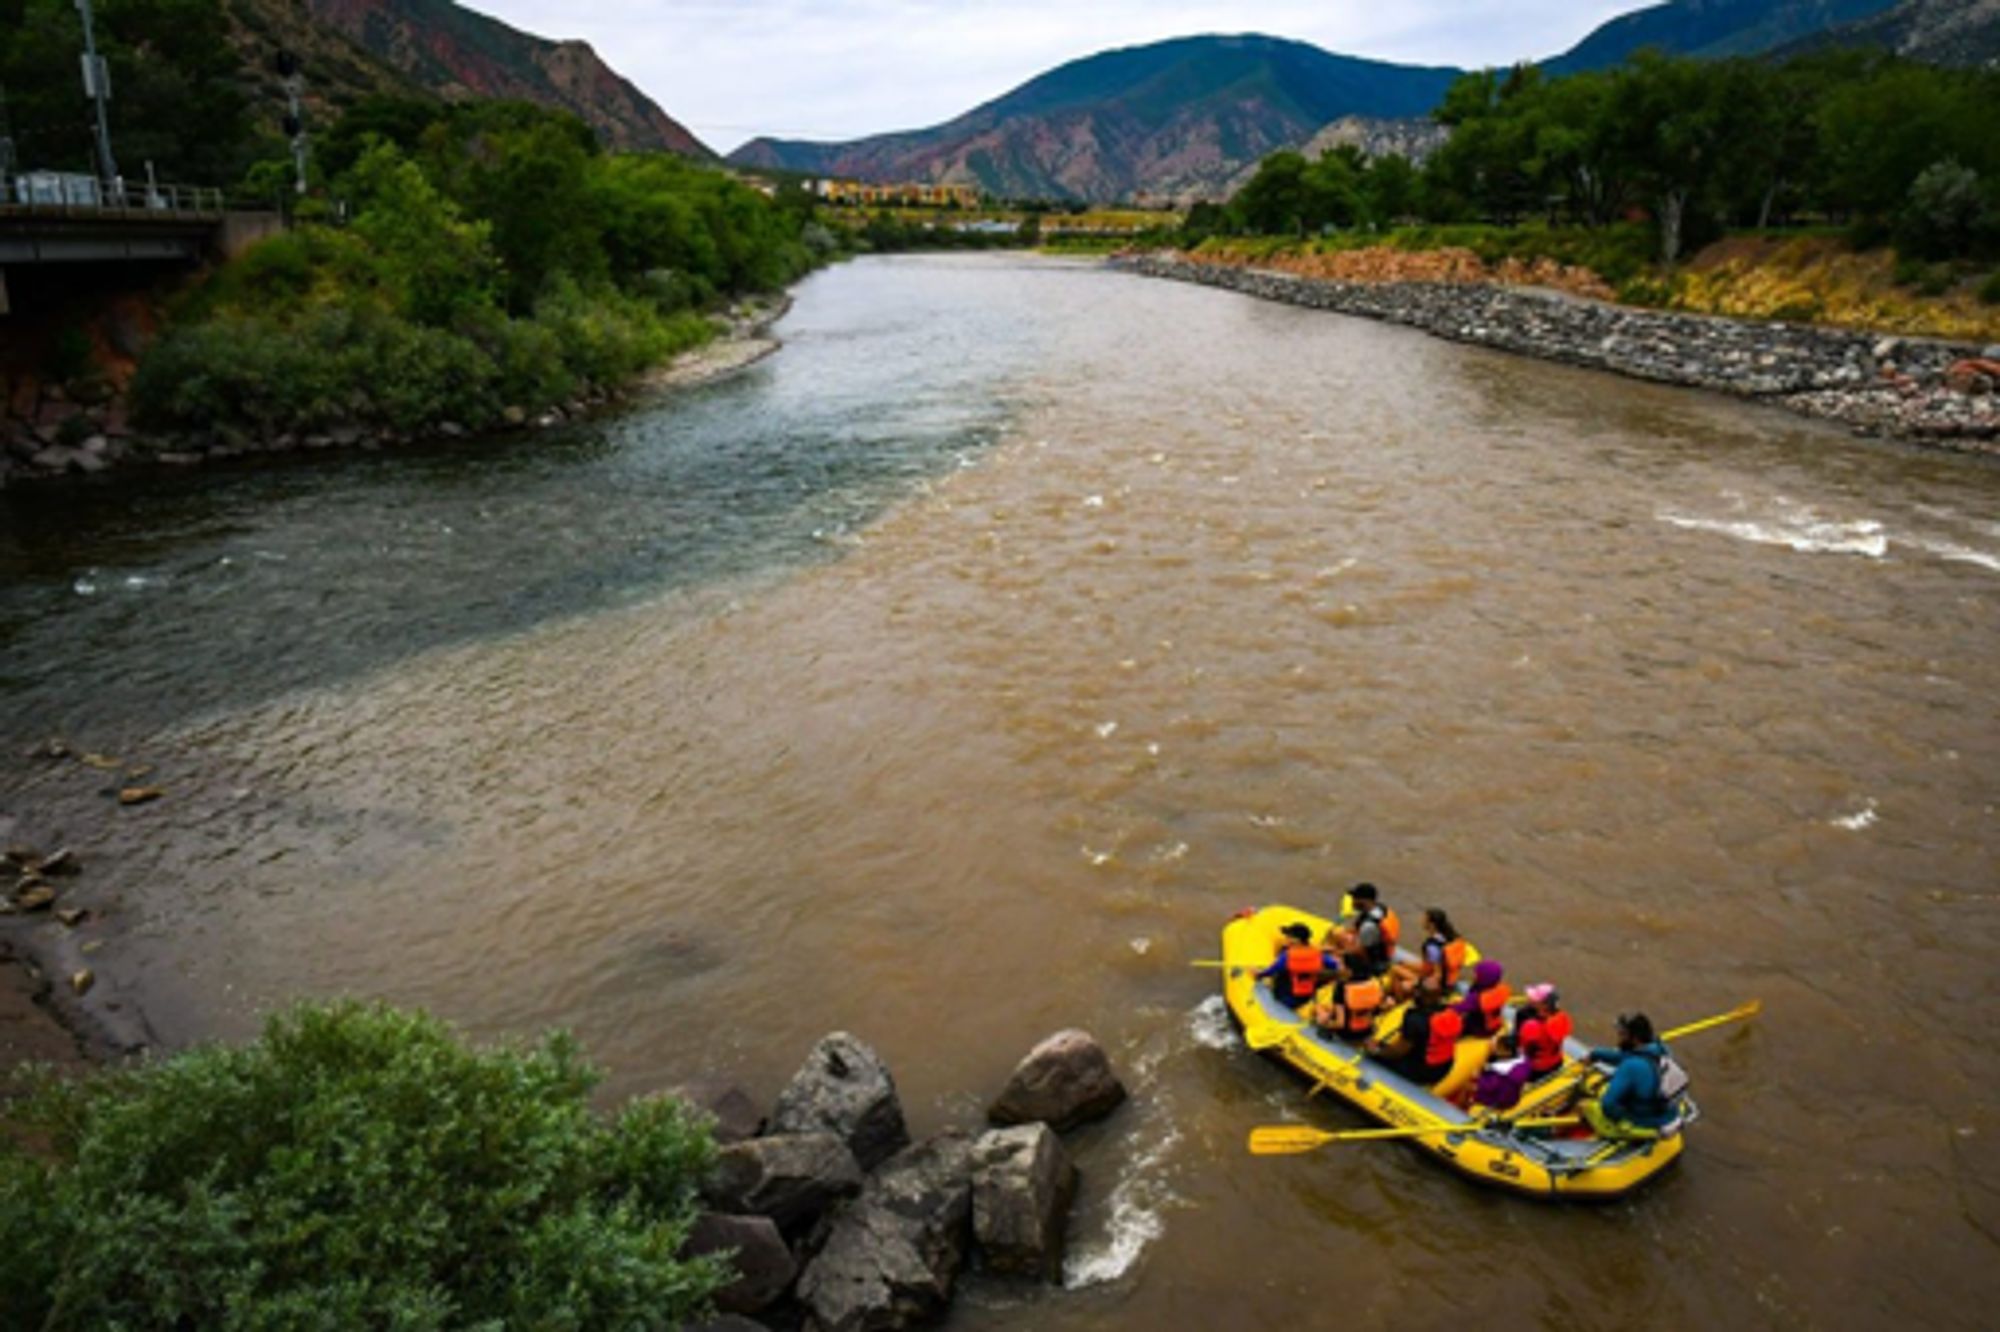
<point>1176,602</point>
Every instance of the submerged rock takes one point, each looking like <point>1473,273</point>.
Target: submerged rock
<point>764,1265</point>
<point>844,1088</point>
<point>892,1254</point>
<point>790,1178</point>
<point>1022,1185</point>
<point>1064,1081</point>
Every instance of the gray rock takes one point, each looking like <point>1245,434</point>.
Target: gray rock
<point>450,429</point>
<point>763,1264</point>
<point>1022,1185</point>
<point>1064,1081</point>
<point>733,1115</point>
<point>790,1178</point>
<point>844,1087</point>
<point>513,416</point>
<point>52,459</point>
<point>1990,353</point>
<point>892,1255</point>
<point>95,444</point>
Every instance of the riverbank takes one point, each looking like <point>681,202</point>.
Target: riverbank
<point>1945,394</point>
<point>54,437</point>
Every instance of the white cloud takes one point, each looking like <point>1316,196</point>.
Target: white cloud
<point>839,69</point>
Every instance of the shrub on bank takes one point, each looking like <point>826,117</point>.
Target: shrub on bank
<point>338,364</point>
<point>355,1166</point>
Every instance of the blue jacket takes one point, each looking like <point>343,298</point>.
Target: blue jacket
<point>1633,1093</point>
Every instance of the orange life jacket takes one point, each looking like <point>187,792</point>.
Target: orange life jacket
<point>1453,952</point>
<point>1454,960</point>
<point>1359,1001</point>
<point>1391,927</point>
<point>1492,1009</point>
<point>1303,966</point>
<point>1442,1047</point>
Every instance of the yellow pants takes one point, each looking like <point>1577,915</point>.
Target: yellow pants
<point>1614,1130</point>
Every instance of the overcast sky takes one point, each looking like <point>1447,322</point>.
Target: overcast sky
<point>836,69</point>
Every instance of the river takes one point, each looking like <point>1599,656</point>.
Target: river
<point>951,675</point>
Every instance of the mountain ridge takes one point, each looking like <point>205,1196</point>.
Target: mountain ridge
<point>1176,118</point>
<point>455,53</point>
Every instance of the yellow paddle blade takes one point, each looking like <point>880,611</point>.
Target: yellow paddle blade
<point>1286,1140</point>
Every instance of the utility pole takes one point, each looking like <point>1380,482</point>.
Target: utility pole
<point>97,87</point>
<point>293,75</point>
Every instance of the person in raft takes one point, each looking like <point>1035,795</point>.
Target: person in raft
<point>1349,1005</point>
<point>1505,1077</point>
<point>1299,969</point>
<point>1427,1044</point>
<point>1540,1028</point>
<point>1377,929</point>
<point>1440,958</point>
<point>1484,1007</point>
<point>1642,1098</point>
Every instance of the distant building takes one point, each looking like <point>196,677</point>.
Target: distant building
<point>861,193</point>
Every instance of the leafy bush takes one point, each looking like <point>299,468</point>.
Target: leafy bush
<point>1989,290</point>
<point>1944,213</point>
<point>354,1167</point>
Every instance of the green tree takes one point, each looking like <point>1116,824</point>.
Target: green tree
<point>436,266</point>
<point>1672,121</point>
<point>353,1167</point>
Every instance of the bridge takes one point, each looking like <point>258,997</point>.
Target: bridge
<point>51,217</point>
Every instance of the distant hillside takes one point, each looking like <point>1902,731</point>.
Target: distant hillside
<point>1938,32</point>
<point>457,53</point>
<point>1177,119</point>
<point>338,71</point>
<point>1710,29</point>
<point>1414,137</point>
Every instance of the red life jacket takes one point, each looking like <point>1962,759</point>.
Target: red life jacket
<point>1542,1041</point>
<point>1446,1027</point>
<point>1303,966</point>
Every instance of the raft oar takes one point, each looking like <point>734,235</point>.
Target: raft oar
<point>1582,1068</point>
<point>1288,1139</point>
<point>1751,1009</point>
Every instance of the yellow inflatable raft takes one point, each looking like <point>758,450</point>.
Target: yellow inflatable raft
<point>1482,1148</point>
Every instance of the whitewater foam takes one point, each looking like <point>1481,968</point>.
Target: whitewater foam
<point>1138,1218</point>
<point>1797,527</point>
<point>1209,1025</point>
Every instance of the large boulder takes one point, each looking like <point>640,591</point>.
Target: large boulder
<point>891,1254</point>
<point>844,1088</point>
<point>1064,1081</point>
<point>1022,1185</point>
<point>763,1263</point>
<point>790,1178</point>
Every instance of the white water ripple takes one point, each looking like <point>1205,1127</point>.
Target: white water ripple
<point>1797,527</point>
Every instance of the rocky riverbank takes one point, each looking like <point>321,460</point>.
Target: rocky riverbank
<point>838,1222</point>
<point>1939,393</point>
<point>50,431</point>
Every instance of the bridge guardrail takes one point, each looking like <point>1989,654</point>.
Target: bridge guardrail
<point>72,192</point>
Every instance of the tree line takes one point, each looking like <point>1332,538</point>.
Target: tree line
<point>1886,147</point>
<point>456,261</point>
